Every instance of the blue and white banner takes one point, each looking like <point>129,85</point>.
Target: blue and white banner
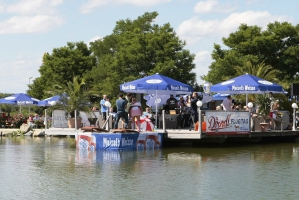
<point>119,141</point>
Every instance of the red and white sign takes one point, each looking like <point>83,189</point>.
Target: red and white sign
<point>223,123</point>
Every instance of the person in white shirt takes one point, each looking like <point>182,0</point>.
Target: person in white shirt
<point>227,103</point>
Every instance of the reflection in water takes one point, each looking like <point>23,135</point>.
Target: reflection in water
<point>52,168</point>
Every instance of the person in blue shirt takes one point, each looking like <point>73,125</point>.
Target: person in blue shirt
<point>121,105</point>
<point>104,108</point>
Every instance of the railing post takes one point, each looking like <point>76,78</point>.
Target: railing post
<point>199,104</point>
<point>76,125</point>
<point>199,122</point>
<point>108,119</point>
<point>46,119</point>
<point>163,120</point>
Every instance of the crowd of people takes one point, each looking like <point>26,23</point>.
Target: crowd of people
<point>8,121</point>
<point>128,108</point>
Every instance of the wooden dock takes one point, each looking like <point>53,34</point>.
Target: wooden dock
<point>193,138</point>
<point>180,137</point>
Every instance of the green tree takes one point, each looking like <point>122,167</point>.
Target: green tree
<point>61,66</point>
<point>139,48</point>
<point>276,46</point>
<point>260,70</point>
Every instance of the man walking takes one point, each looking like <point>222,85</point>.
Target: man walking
<point>121,105</point>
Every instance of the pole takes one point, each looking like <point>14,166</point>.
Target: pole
<point>294,119</point>
<point>246,99</point>
<point>46,119</point>
<point>199,121</point>
<point>29,104</point>
<point>163,118</point>
<point>156,120</point>
<point>76,125</point>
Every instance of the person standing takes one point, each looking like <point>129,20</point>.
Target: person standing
<point>193,99</point>
<point>128,99</point>
<point>135,111</point>
<point>227,103</point>
<point>121,105</point>
<point>172,103</point>
<point>104,108</point>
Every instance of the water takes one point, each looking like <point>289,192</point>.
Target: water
<point>52,168</point>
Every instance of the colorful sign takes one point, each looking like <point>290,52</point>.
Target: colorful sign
<point>223,123</point>
<point>119,141</point>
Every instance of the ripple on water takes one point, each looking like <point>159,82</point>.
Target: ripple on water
<point>52,168</point>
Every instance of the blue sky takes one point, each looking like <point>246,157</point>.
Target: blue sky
<point>29,28</point>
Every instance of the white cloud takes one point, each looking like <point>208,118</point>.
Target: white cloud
<point>202,56</point>
<point>94,39</point>
<point>145,3</point>
<point>31,7</point>
<point>195,29</point>
<point>202,61</point>
<point>213,6</point>
<point>15,73</point>
<point>249,2</point>
<point>93,4</point>
<point>25,24</point>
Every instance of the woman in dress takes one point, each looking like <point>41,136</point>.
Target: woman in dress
<point>135,111</point>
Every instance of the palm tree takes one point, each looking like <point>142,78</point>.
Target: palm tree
<point>261,70</point>
<point>77,98</point>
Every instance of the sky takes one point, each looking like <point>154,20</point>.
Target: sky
<point>30,28</point>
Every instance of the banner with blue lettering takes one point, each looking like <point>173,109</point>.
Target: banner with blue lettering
<point>119,141</point>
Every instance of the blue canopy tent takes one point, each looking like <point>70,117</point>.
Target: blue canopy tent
<point>4,101</point>
<point>153,101</point>
<point>19,99</point>
<point>52,100</point>
<point>219,97</point>
<point>49,101</point>
<point>246,84</point>
<point>156,84</point>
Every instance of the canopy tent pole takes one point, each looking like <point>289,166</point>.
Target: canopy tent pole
<point>46,119</point>
<point>246,99</point>
<point>156,120</point>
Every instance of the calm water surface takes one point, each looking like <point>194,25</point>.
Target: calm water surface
<point>52,168</point>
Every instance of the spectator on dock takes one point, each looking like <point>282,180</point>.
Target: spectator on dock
<point>227,103</point>
<point>172,103</point>
<point>104,109</point>
<point>194,98</point>
<point>218,108</point>
<point>135,112</point>
<point>128,98</point>
<point>148,113</point>
<point>36,117</point>
<point>121,105</point>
